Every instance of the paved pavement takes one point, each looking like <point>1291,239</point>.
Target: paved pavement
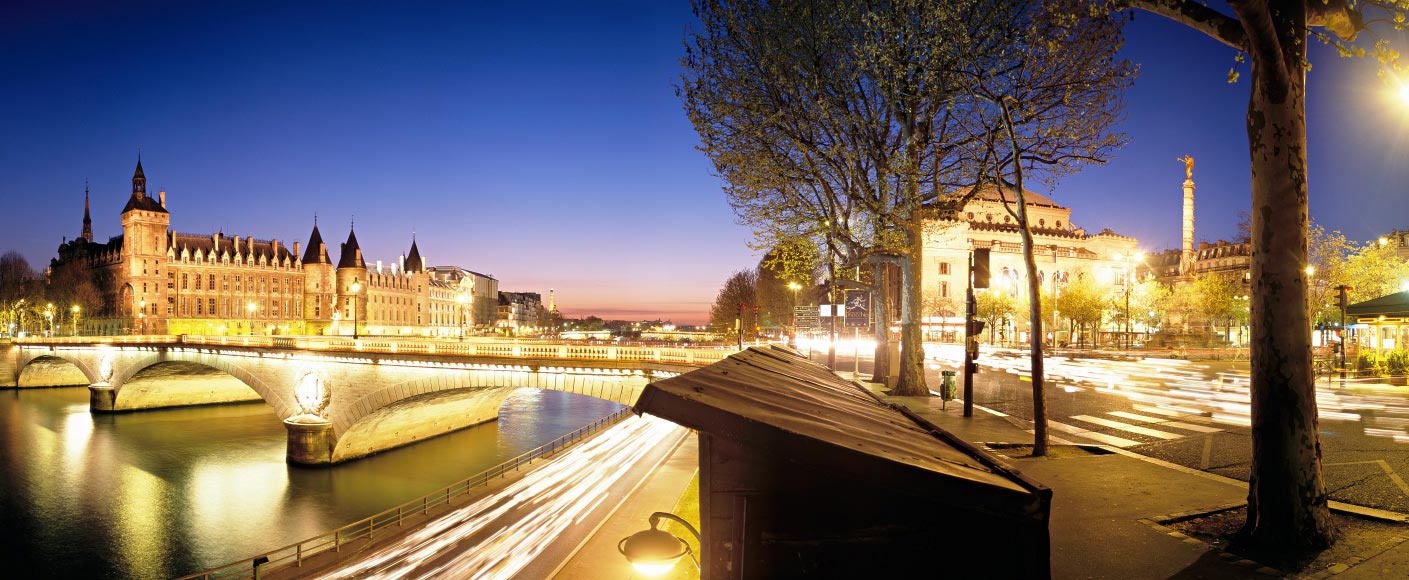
<point>1103,523</point>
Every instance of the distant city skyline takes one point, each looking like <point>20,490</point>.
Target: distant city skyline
<point>545,147</point>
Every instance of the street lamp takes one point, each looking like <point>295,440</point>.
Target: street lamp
<point>75,319</point>
<point>356,288</point>
<point>462,299</point>
<point>654,552</point>
<point>142,316</point>
<point>49,315</point>
<point>794,286</point>
<point>250,307</point>
<point>1126,260</point>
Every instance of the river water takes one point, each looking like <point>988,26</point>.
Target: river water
<point>159,494</point>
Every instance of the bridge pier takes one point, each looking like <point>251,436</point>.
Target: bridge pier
<point>311,441</point>
<point>102,398</point>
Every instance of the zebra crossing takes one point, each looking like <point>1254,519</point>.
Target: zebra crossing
<point>1131,429</point>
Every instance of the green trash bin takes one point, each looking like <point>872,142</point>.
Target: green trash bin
<point>948,388</point>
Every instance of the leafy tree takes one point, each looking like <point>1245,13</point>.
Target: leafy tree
<point>1150,302</point>
<point>1083,302</point>
<point>1287,503</point>
<point>993,307</point>
<point>738,290</point>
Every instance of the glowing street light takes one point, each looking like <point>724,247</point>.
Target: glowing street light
<point>462,299</point>
<point>654,552</point>
<point>356,288</point>
<point>251,307</point>
<point>1126,260</point>
<point>75,319</point>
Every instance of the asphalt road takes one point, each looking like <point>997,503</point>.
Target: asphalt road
<point>527,528</point>
<point>1194,414</point>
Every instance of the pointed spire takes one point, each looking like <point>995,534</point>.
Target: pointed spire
<point>317,252</point>
<point>139,179</point>
<point>351,253</point>
<point>139,199</point>
<point>414,263</point>
<point>87,219</point>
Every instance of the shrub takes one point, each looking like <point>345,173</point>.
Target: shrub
<point>1397,361</point>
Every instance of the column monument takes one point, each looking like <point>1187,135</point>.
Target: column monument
<point>1186,256</point>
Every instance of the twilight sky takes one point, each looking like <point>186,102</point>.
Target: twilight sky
<point>541,143</point>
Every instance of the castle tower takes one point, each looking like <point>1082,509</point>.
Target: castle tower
<point>352,270</point>
<point>87,219</point>
<point>416,268</point>
<point>142,282</point>
<point>319,284</point>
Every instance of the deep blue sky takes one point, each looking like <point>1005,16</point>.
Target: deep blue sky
<point>541,143</point>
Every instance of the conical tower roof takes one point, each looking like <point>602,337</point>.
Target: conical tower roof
<point>413,259</point>
<point>317,252</point>
<point>351,253</point>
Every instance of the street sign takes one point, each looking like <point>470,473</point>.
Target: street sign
<point>858,308</point>
<point>806,316</point>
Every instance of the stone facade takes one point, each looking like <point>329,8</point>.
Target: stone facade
<point>158,281</point>
<point>1061,248</point>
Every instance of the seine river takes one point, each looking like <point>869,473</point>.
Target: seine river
<point>159,494</point>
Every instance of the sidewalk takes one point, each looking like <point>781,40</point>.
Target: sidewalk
<point>1102,522</point>
<point>1103,506</point>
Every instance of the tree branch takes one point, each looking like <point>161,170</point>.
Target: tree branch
<point>1197,16</point>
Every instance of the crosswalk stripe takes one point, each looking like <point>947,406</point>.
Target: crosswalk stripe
<point>1127,427</point>
<point>1134,417</point>
<point>1165,422</point>
<point>1092,435</point>
<point>1192,427</point>
<point>1172,413</point>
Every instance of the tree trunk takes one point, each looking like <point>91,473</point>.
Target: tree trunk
<point>912,348</point>
<point>880,316</point>
<point>1287,503</point>
<point>1034,300</point>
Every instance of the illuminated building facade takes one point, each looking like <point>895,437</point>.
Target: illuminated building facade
<point>154,280</point>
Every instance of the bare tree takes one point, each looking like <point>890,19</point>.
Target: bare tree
<point>733,307</point>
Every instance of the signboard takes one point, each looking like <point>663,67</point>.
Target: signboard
<point>858,308</point>
<point>805,316</point>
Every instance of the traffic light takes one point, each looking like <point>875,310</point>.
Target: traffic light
<point>981,267</point>
<point>976,327</point>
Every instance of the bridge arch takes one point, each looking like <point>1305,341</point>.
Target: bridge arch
<point>52,370</point>
<point>127,398</point>
<point>415,410</point>
<point>177,383</point>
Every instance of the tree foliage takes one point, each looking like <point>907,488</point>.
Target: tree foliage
<point>738,290</point>
<point>1287,502</point>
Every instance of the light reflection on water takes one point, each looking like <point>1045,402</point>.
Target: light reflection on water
<point>157,494</point>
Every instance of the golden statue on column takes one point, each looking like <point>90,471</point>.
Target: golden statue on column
<point>1188,165</point>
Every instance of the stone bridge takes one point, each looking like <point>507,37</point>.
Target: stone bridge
<point>340,399</point>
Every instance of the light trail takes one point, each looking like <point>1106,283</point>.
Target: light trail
<point>1187,390</point>
<point>497,536</point>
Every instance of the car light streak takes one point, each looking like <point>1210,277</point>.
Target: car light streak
<point>1183,389</point>
<point>497,536</point>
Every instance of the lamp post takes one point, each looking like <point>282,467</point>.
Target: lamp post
<point>142,316</point>
<point>462,299</point>
<point>1126,261</point>
<point>250,307</point>
<point>75,319</point>
<point>794,286</point>
<point>356,288</point>
<point>49,316</point>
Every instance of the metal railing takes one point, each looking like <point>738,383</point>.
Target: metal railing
<point>295,554</point>
<point>389,345</point>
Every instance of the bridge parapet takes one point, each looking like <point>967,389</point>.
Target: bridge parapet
<point>390,345</point>
<point>382,392</point>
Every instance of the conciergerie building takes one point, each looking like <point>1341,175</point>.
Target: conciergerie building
<point>154,280</point>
